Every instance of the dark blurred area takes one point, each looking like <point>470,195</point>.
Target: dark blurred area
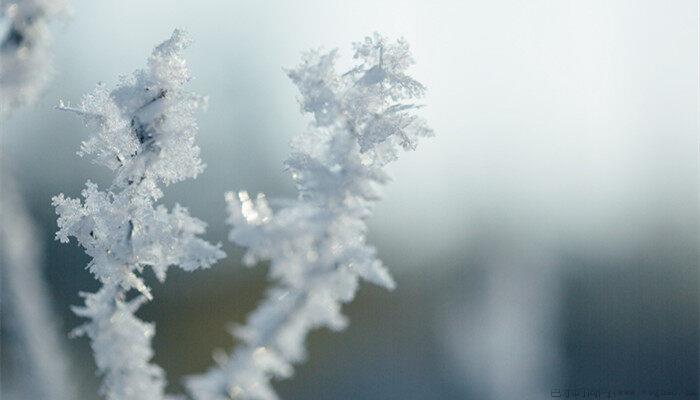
<point>501,320</point>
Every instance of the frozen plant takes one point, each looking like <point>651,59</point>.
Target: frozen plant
<point>316,243</point>
<point>145,134</point>
<point>37,354</point>
<point>25,67</point>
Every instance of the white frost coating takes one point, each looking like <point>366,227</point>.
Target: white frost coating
<point>146,131</point>
<point>25,65</point>
<point>316,244</point>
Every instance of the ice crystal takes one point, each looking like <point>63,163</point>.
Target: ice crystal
<point>316,243</point>
<point>145,134</point>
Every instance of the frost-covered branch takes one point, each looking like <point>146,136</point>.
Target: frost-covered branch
<point>25,66</point>
<point>316,243</point>
<point>40,361</point>
<point>145,134</point>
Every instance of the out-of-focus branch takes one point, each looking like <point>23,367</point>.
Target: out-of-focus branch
<point>42,365</point>
<point>25,62</point>
<point>316,244</point>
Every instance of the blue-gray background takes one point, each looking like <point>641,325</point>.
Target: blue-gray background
<point>546,238</point>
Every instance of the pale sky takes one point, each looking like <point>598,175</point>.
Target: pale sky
<point>555,120</point>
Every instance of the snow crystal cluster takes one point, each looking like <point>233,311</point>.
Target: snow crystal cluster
<point>145,134</point>
<point>25,67</point>
<point>316,243</point>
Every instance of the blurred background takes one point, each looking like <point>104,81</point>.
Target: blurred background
<point>546,239</point>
